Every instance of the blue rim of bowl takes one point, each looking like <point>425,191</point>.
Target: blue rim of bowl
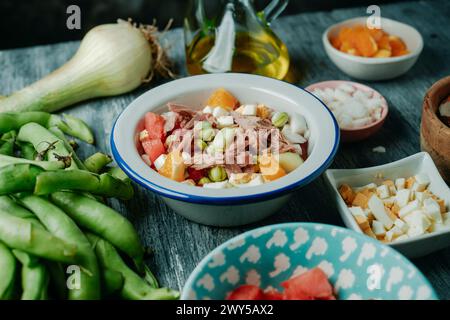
<point>199,268</point>
<point>180,196</point>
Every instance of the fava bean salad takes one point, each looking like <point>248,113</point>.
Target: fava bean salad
<point>226,144</point>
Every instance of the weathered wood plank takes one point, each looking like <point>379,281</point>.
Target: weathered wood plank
<point>179,244</point>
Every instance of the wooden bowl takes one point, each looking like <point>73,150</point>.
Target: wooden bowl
<point>434,134</point>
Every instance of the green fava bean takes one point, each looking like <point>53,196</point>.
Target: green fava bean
<point>21,234</point>
<point>134,287</point>
<point>18,178</point>
<point>63,227</point>
<point>103,221</point>
<point>7,272</point>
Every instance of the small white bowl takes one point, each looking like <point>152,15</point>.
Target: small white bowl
<point>235,206</point>
<point>410,166</point>
<point>375,68</point>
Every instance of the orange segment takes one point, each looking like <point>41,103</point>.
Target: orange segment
<point>382,53</point>
<point>173,167</point>
<point>365,44</point>
<point>270,168</point>
<point>336,42</point>
<point>362,41</point>
<point>348,48</point>
<point>223,98</point>
<point>383,43</point>
<point>345,34</point>
<point>376,34</point>
<point>397,45</point>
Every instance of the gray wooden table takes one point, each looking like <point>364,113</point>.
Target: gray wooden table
<point>180,244</point>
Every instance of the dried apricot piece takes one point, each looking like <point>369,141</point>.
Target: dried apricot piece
<point>365,44</point>
<point>223,98</point>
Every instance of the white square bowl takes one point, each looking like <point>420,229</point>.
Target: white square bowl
<point>410,166</point>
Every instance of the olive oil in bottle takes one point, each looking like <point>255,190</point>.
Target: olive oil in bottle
<point>259,53</point>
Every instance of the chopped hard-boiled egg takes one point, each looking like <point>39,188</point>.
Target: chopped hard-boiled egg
<point>396,211</point>
<point>208,109</point>
<point>225,121</point>
<point>249,110</point>
<point>219,112</point>
<point>217,185</point>
<point>159,162</point>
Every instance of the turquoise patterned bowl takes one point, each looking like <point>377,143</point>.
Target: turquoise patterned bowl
<point>358,267</point>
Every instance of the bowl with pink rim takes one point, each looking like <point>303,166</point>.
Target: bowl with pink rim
<point>358,133</point>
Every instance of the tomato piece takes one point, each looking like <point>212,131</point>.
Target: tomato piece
<point>311,284</point>
<point>138,144</point>
<point>195,174</point>
<point>154,124</point>
<point>246,292</point>
<point>273,295</point>
<point>153,148</point>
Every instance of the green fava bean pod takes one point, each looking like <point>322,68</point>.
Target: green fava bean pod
<point>103,221</point>
<point>7,143</point>
<point>63,227</point>
<point>97,162</point>
<point>70,125</point>
<point>118,173</point>
<point>80,180</point>
<point>56,271</point>
<point>46,165</point>
<point>21,234</point>
<point>113,281</point>
<point>27,150</point>
<point>35,277</point>
<point>134,287</point>
<point>7,272</point>
<point>74,157</point>
<point>45,142</point>
<point>18,178</point>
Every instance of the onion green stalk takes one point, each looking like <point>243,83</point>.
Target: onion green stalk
<point>112,59</point>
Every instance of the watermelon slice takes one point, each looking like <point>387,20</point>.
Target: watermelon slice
<point>246,292</point>
<point>310,285</point>
<point>273,295</point>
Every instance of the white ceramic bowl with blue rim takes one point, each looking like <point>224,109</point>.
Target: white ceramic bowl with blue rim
<point>358,267</point>
<point>227,207</point>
